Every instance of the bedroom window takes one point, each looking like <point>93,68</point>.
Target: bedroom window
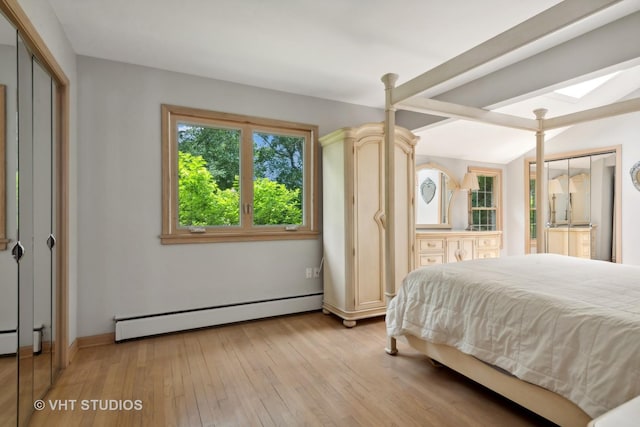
<point>228,177</point>
<point>485,203</point>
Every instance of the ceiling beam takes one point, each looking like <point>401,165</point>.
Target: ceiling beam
<point>542,24</point>
<point>448,109</point>
<point>610,110</point>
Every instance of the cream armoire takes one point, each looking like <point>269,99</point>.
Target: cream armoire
<point>354,222</point>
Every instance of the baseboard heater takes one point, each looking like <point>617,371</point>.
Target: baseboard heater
<point>128,327</point>
<point>9,341</point>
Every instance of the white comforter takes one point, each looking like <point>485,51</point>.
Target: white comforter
<point>567,324</point>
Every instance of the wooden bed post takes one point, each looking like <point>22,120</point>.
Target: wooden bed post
<point>541,211</point>
<point>389,81</point>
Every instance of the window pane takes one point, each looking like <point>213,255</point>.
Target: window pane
<point>488,189</point>
<point>532,224</point>
<point>278,179</point>
<point>532,193</point>
<point>485,219</point>
<point>208,176</point>
<point>481,199</point>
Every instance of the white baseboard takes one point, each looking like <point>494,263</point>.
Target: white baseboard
<point>142,326</point>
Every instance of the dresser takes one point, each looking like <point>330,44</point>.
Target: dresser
<point>354,222</point>
<point>573,241</point>
<point>440,247</point>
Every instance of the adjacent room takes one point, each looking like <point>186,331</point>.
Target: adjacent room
<point>216,213</point>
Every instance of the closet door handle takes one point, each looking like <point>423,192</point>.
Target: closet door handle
<point>17,251</point>
<point>51,241</point>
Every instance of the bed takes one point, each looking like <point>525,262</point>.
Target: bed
<point>410,96</point>
<point>576,335</point>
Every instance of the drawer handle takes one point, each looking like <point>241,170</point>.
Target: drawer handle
<point>431,260</point>
<point>431,245</point>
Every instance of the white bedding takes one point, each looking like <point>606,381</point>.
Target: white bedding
<point>569,325</point>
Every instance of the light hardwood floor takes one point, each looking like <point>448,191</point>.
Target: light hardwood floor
<point>296,370</point>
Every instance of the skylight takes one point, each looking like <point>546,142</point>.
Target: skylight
<point>579,90</point>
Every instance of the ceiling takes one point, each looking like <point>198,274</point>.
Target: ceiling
<point>450,138</point>
<point>332,49</point>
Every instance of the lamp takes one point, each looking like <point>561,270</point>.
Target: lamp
<point>555,187</point>
<point>470,183</point>
<point>579,183</point>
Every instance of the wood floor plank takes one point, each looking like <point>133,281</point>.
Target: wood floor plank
<point>294,370</point>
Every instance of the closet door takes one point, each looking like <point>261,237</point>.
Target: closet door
<point>8,227</point>
<point>23,251</point>
<point>43,231</point>
<point>28,206</point>
<point>35,251</point>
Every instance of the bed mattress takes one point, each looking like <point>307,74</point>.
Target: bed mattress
<point>569,325</point>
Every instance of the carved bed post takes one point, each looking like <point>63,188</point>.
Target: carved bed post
<point>541,188</point>
<point>389,81</point>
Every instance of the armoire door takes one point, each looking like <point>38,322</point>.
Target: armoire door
<point>368,231</point>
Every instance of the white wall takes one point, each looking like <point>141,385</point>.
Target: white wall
<point>621,130</point>
<point>122,267</point>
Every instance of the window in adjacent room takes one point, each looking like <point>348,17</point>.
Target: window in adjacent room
<point>533,231</point>
<point>228,177</point>
<point>485,203</point>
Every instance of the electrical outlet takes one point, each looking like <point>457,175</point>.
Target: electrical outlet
<point>309,272</point>
<point>316,272</point>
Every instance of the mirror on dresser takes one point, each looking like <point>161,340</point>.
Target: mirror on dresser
<point>582,207</point>
<point>435,190</point>
<point>436,241</point>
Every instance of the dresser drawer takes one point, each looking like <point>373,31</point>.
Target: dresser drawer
<point>489,253</point>
<point>430,245</point>
<point>427,260</point>
<point>432,248</point>
<point>488,242</point>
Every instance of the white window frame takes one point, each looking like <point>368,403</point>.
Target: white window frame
<point>497,191</point>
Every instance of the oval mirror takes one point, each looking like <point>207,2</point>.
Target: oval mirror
<point>435,188</point>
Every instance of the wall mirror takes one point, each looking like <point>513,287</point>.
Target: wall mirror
<point>434,191</point>
<point>8,226</point>
<point>29,195</point>
<point>7,105</point>
<point>583,206</point>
